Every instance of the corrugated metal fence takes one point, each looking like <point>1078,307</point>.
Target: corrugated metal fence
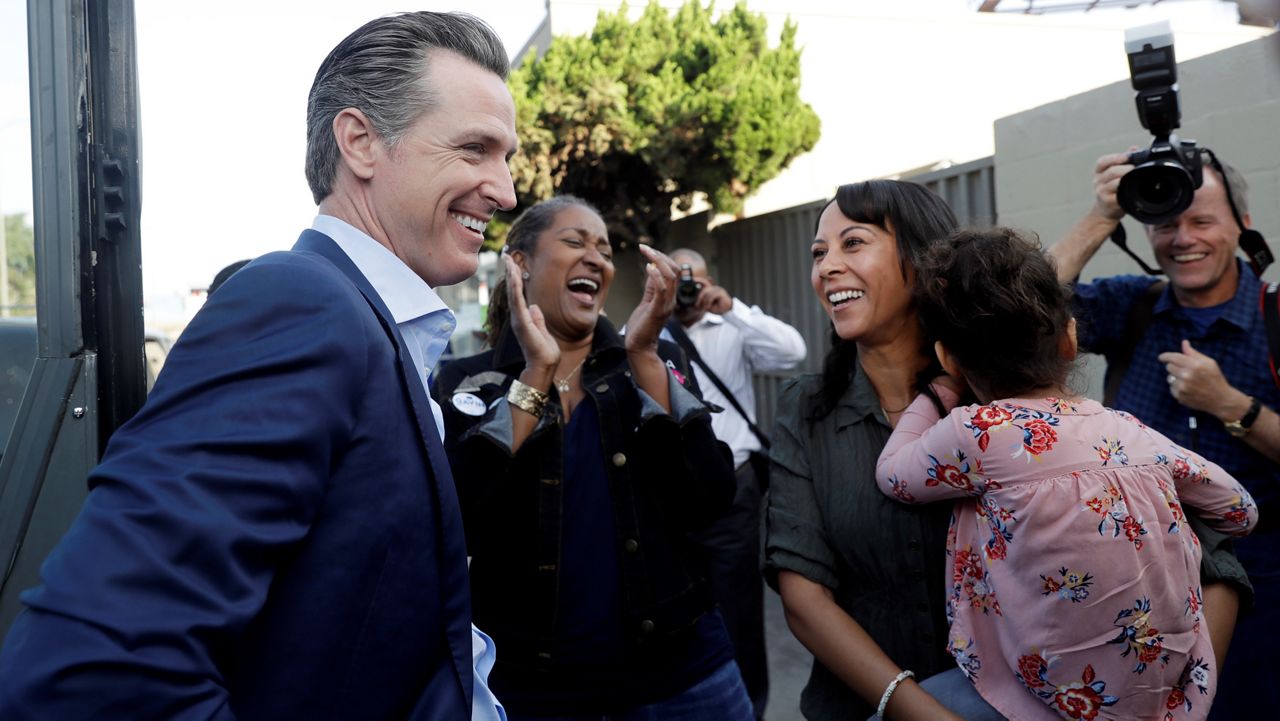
<point>765,261</point>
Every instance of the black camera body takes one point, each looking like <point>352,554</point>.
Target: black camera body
<point>1167,174</point>
<point>688,289</point>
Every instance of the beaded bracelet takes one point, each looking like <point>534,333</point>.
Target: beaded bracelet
<point>893,686</point>
<point>527,398</point>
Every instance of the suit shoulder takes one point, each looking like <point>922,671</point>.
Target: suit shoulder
<point>291,282</point>
<point>295,267</point>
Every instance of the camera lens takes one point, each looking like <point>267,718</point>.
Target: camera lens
<point>1156,191</point>
<point>687,292</point>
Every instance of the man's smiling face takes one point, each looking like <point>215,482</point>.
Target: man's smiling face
<point>437,188</point>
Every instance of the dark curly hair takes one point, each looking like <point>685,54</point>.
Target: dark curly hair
<point>993,298</point>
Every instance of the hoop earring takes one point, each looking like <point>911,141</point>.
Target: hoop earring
<point>524,275</point>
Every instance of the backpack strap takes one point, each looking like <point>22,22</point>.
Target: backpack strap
<point>1270,302</point>
<point>1135,325</point>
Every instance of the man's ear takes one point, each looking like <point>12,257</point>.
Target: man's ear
<point>1068,346</point>
<point>357,142</point>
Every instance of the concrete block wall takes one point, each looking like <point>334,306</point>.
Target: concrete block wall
<point>1044,157</point>
<point>1230,102</point>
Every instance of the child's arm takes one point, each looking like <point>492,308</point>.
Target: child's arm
<point>1205,489</point>
<point>923,460</point>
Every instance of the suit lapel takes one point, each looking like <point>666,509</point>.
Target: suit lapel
<point>454,584</point>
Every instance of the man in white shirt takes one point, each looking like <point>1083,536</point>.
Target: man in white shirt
<point>733,340</point>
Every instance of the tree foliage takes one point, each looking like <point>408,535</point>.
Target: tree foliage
<point>638,116</point>
<point>20,253</point>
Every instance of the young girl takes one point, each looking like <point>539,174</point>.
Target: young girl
<point>1074,581</point>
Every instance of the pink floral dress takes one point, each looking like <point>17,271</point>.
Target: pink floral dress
<point>1075,584</point>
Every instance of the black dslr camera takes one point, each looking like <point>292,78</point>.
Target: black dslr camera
<point>688,289</point>
<point>1166,175</point>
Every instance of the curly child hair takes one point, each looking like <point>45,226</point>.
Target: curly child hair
<point>993,298</point>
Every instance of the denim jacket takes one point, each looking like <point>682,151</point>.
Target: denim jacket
<point>667,472</point>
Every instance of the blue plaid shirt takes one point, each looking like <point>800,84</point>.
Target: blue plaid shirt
<point>1236,340</point>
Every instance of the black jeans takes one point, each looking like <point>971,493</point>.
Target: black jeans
<point>732,547</point>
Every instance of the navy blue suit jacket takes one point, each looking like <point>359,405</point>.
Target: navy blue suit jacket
<point>275,535</point>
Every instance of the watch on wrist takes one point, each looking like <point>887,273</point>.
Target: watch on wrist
<point>1240,428</point>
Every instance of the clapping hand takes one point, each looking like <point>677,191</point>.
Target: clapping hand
<point>657,303</point>
<point>541,352</point>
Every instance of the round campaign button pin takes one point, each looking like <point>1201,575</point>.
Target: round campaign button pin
<point>469,404</point>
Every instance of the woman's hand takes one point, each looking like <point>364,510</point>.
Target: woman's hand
<point>541,352</point>
<point>657,303</point>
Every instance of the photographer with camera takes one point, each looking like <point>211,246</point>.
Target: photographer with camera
<point>1189,356</point>
<point>727,341</point>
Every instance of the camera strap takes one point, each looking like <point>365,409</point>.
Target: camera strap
<point>1251,241</point>
<point>1270,302</point>
<point>685,342</point>
<point>1119,237</point>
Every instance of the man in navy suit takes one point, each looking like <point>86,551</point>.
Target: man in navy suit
<point>276,534</point>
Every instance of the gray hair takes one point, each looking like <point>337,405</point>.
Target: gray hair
<point>1235,183</point>
<point>379,70</point>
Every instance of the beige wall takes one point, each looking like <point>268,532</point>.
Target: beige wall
<point>1230,102</point>
<point>1044,157</point>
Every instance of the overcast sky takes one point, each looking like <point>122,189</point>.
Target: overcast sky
<point>223,93</point>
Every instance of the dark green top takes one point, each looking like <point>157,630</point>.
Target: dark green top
<point>828,521</point>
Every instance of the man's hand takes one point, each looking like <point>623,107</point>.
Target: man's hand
<point>1196,381</point>
<point>1089,232</point>
<point>1106,181</point>
<point>715,299</point>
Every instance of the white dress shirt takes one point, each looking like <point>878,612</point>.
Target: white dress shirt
<point>735,345</point>
<point>426,323</point>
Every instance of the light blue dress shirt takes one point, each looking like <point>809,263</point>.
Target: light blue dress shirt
<point>426,324</point>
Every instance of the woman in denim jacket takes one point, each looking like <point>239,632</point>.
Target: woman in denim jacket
<point>582,463</point>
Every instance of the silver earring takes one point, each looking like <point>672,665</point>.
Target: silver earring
<point>525,275</point>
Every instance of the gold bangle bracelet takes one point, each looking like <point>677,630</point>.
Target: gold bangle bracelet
<point>527,398</point>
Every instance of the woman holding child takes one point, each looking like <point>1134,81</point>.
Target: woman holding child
<point>861,576</point>
<point>1075,586</point>
<point>865,579</point>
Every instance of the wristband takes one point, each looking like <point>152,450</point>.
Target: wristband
<point>527,398</point>
<point>893,686</point>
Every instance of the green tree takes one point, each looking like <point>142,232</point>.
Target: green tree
<point>19,242</point>
<point>640,116</point>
